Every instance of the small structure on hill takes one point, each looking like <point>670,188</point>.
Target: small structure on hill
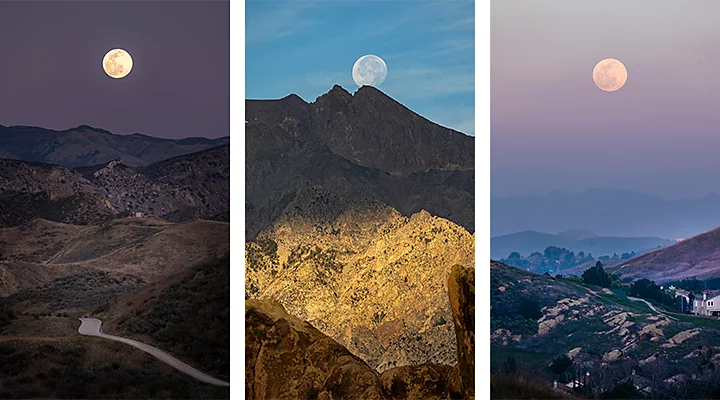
<point>708,304</point>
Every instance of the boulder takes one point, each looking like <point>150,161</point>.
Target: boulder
<point>286,358</point>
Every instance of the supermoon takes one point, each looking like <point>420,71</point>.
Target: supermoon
<point>610,75</point>
<point>117,63</point>
<point>369,70</point>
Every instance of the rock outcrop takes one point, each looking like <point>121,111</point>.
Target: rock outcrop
<point>363,274</point>
<point>286,358</point>
<point>461,289</point>
<point>191,186</point>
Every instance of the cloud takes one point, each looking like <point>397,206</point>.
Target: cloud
<point>275,20</point>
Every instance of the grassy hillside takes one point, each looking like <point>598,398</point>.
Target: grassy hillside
<point>697,257</point>
<point>537,321</point>
<point>150,249</point>
<point>190,318</point>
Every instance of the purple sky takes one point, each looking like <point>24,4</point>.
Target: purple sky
<point>553,129</point>
<point>51,74</point>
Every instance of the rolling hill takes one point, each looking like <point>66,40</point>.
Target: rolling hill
<point>696,257</point>
<point>536,321</point>
<point>85,145</point>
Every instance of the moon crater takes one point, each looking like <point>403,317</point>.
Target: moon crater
<point>610,75</point>
<point>117,63</point>
<point>369,70</point>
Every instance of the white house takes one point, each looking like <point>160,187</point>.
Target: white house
<point>709,304</point>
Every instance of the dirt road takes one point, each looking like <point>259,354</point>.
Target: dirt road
<point>91,327</point>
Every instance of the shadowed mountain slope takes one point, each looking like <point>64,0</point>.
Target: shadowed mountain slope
<point>366,144</point>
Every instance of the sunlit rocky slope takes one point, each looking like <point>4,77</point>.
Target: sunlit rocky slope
<point>363,274</point>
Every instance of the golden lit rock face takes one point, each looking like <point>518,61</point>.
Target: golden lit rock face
<point>364,275</point>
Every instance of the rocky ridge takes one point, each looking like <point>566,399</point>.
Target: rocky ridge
<point>190,186</point>
<point>363,274</point>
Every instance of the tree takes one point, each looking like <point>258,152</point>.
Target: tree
<point>510,365</point>
<point>529,308</point>
<point>597,276</point>
<point>560,364</point>
<point>622,390</point>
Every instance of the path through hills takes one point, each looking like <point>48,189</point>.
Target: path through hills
<point>91,327</point>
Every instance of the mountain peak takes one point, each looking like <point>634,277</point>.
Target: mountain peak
<point>88,128</point>
<point>337,94</point>
<point>293,97</point>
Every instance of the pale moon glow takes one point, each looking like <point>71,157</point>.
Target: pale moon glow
<point>610,75</point>
<point>369,70</point>
<point>117,63</point>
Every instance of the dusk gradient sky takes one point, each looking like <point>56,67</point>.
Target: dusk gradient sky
<point>51,74</point>
<point>553,129</point>
<point>307,46</point>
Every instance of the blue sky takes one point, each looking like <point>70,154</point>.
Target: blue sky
<point>305,47</point>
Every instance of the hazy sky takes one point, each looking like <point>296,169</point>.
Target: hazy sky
<point>552,128</point>
<point>305,47</point>
<point>51,73</point>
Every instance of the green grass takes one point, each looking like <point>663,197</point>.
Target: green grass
<point>530,359</point>
<point>698,321</point>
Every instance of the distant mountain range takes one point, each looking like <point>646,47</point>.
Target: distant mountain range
<point>528,242</point>
<point>85,145</point>
<point>606,211</point>
<point>365,144</point>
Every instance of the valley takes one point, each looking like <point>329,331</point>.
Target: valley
<point>144,249</point>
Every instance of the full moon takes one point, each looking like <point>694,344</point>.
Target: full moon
<point>117,63</point>
<point>610,75</point>
<point>369,70</point>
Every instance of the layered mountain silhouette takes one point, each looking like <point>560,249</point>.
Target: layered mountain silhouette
<point>85,145</point>
<point>354,145</point>
<point>608,212</point>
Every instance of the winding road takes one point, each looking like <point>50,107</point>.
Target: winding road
<point>91,327</point>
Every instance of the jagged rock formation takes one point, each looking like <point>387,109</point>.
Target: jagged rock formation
<point>191,186</point>
<point>34,190</point>
<point>289,358</point>
<point>85,145</point>
<point>363,274</point>
<point>362,145</point>
<point>186,187</point>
